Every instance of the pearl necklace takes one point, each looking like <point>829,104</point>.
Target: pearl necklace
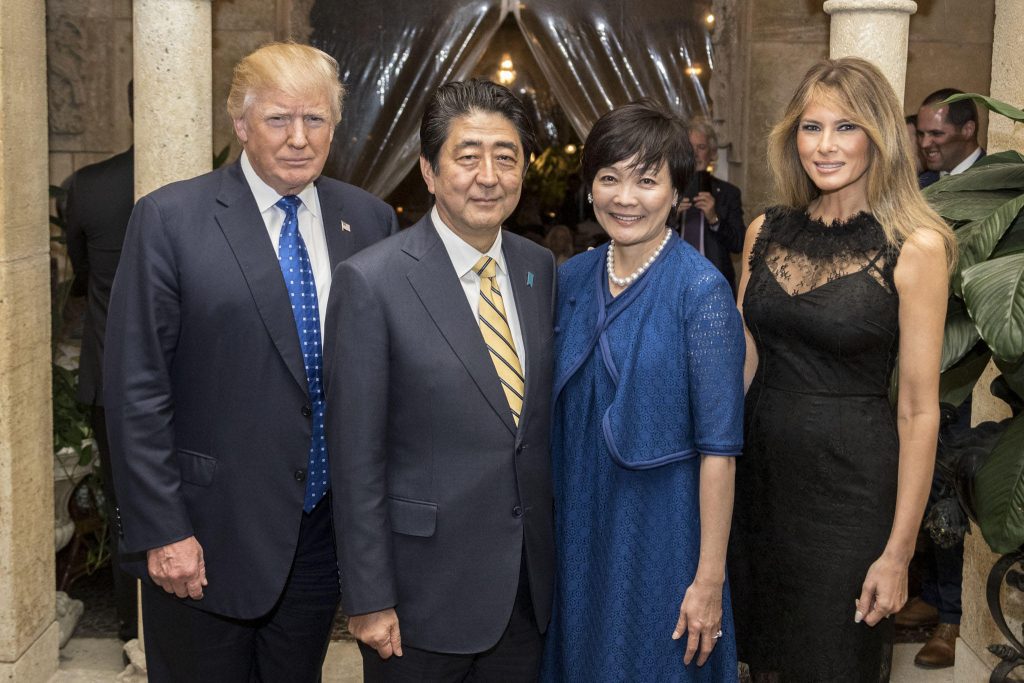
<point>632,277</point>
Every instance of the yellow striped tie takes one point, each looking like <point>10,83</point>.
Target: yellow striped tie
<point>498,336</point>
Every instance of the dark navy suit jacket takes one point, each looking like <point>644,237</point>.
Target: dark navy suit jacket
<point>438,494</point>
<point>206,396</point>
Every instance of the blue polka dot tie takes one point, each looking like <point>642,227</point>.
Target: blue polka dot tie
<point>298,278</point>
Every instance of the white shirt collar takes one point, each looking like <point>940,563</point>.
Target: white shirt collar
<point>966,163</point>
<point>462,254</point>
<point>266,196</point>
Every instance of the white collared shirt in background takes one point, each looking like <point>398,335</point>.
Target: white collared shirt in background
<point>965,164</point>
<point>463,257</point>
<point>311,228</point>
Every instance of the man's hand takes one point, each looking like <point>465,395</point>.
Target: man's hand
<point>379,630</point>
<point>705,201</point>
<point>179,568</point>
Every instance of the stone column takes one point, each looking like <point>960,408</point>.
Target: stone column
<point>877,30</point>
<point>172,47</point>
<point>978,631</point>
<point>28,630</point>
<point>173,56</point>
<point>1007,74</point>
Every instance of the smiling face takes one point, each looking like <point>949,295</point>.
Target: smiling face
<point>286,138</point>
<point>942,144</point>
<point>632,207</point>
<point>833,150</point>
<point>479,176</point>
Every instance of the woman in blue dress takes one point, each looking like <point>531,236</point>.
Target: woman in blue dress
<point>647,423</point>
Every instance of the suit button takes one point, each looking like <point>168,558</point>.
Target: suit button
<point>307,411</point>
<point>300,475</point>
<point>517,511</point>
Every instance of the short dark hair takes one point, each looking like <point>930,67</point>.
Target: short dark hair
<point>461,98</point>
<point>911,120</point>
<point>644,131</point>
<point>959,112</point>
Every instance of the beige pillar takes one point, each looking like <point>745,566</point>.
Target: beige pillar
<point>172,47</point>
<point>978,631</point>
<point>1007,74</point>
<point>876,30</point>
<point>172,43</point>
<point>28,629</point>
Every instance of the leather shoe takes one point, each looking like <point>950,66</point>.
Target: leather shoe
<point>939,652</point>
<point>917,612</point>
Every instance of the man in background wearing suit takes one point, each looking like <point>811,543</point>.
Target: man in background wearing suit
<point>712,220</point>
<point>947,136</point>
<point>213,385</point>
<point>99,203</point>
<point>438,393</point>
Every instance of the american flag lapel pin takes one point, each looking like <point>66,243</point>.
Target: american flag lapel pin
<point>529,279</point>
<point>345,227</point>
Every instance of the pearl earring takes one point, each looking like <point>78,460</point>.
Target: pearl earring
<point>590,198</point>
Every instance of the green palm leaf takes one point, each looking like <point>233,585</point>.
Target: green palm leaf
<point>960,334</point>
<point>1007,110</point>
<point>999,490</point>
<point>957,383</point>
<point>979,239</point>
<point>988,177</point>
<point>994,295</point>
<point>967,206</point>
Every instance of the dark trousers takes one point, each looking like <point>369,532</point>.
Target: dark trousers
<point>125,602</point>
<point>942,578</point>
<point>515,658</point>
<point>287,645</point>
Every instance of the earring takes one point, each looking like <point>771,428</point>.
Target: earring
<point>590,198</point>
<point>675,202</point>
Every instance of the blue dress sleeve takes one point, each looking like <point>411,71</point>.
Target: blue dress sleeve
<point>715,348</point>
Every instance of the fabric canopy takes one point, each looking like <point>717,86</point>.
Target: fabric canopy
<point>594,54</point>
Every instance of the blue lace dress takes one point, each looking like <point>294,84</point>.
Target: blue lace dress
<point>644,383</point>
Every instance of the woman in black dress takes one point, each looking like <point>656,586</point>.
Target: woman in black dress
<point>849,272</point>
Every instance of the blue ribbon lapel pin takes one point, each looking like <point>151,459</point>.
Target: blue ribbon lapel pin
<point>529,279</point>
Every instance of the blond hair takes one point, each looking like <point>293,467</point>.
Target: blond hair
<point>865,97</point>
<point>298,70</point>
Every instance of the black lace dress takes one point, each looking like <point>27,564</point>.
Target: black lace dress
<point>816,486</point>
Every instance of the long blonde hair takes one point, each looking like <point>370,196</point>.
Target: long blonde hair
<point>867,99</point>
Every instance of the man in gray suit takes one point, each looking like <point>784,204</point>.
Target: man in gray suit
<point>212,382</point>
<point>438,381</point>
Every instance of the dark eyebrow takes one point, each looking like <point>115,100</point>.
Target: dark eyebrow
<point>503,144</point>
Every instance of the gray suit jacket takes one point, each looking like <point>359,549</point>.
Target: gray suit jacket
<point>207,403</point>
<point>437,494</point>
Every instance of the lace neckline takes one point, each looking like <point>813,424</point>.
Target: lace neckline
<point>862,220</point>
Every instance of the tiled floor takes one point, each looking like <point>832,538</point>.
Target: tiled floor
<point>98,660</point>
<point>94,654</point>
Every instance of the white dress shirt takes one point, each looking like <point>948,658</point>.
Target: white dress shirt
<point>311,228</point>
<point>966,163</point>
<point>463,257</point>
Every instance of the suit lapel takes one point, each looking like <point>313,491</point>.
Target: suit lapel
<point>527,311</point>
<point>339,242</point>
<point>240,221</point>
<point>434,280</point>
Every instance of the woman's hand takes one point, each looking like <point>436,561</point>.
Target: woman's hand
<point>700,616</point>
<point>884,591</point>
